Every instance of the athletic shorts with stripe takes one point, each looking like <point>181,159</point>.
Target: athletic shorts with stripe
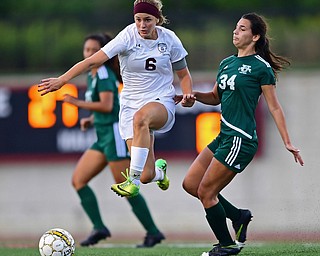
<point>234,152</point>
<point>110,143</point>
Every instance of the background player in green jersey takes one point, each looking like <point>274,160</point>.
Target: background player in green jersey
<point>240,81</point>
<point>109,149</point>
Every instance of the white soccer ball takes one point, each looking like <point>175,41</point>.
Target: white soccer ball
<point>56,242</point>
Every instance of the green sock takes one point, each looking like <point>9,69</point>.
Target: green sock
<point>232,212</point>
<point>90,205</point>
<point>216,217</point>
<point>141,210</point>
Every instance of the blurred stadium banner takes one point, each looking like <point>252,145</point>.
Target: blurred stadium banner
<point>31,124</point>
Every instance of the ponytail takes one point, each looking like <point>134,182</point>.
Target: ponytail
<point>262,47</point>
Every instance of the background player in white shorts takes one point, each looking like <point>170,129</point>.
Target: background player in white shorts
<point>148,54</point>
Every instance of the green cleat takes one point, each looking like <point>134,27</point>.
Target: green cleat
<point>126,188</point>
<point>163,184</point>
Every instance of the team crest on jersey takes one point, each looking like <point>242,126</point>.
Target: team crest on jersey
<point>162,47</point>
<point>245,69</point>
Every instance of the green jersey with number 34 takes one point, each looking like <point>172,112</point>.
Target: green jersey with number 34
<point>239,82</point>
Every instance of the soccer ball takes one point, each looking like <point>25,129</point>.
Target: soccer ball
<point>56,242</point>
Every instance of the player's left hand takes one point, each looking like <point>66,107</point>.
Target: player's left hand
<point>177,99</point>
<point>296,154</point>
<point>188,100</point>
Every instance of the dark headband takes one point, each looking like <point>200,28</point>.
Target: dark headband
<point>144,7</point>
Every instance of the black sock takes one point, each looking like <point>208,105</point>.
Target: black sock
<point>216,217</point>
<point>232,212</point>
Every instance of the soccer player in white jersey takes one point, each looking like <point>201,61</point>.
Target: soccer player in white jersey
<point>148,55</point>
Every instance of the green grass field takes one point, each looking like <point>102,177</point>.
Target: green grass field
<point>259,249</point>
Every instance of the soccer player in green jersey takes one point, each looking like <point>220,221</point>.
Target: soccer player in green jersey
<point>109,149</point>
<point>240,81</point>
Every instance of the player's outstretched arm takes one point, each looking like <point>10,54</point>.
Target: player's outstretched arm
<point>52,84</point>
<point>279,118</point>
<point>208,98</point>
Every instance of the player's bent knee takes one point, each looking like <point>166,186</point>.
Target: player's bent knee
<point>190,188</point>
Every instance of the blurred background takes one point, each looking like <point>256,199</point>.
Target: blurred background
<point>40,140</point>
<point>46,36</point>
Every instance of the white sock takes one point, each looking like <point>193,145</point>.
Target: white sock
<point>138,160</point>
<point>159,174</point>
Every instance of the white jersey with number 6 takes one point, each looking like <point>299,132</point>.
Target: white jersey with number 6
<point>146,65</point>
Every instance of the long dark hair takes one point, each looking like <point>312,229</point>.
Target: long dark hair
<point>113,63</point>
<point>262,47</point>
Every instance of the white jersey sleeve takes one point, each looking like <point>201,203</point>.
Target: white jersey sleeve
<point>117,45</point>
<point>177,52</point>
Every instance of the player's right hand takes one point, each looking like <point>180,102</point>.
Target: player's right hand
<point>49,85</point>
<point>85,123</point>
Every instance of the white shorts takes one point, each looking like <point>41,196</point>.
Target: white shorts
<point>126,118</point>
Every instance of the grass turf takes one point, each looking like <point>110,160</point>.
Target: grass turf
<point>257,249</point>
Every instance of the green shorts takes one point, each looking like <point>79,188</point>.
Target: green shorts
<point>110,143</point>
<point>233,152</point>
